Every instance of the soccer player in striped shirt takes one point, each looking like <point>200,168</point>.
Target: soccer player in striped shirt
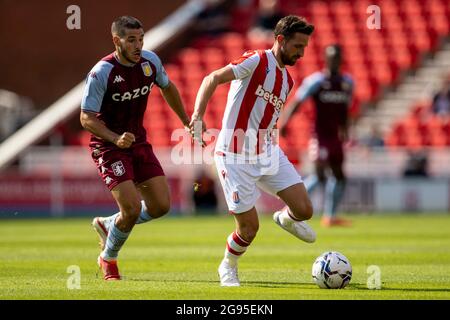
<point>332,92</point>
<point>112,109</point>
<point>246,156</point>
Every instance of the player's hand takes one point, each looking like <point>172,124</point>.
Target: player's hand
<point>196,129</point>
<point>197,123</point>
<point>125,140</point>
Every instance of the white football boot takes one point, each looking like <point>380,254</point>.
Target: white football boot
<point>228,275</point>
<point>298,228</point>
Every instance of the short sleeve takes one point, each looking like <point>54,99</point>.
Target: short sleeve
<point>96,84</point>
<point>309,86</point>
<point>350,83</point>
<point>161,79</point>
<point>245,65</point>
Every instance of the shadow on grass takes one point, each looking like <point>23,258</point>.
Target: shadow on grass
<point>267,284</point>
<point>360,286</point>
<point>300,285</point>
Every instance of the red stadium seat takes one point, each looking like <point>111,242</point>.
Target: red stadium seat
<point>438,138</point>
<point>189,56</point>
<point>232,41</point>
<point>318,9</point>
<point>434,123</point>
<point>374,58</point>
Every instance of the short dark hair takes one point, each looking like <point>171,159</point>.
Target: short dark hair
<point>289,25</point>
<point>125,22</point>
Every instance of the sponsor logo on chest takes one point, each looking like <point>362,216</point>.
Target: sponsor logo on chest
<point>334,97</point>
<point>270,97</point>
<point>133,94</point>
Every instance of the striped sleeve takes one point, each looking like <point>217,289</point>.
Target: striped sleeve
<point>245,65</point>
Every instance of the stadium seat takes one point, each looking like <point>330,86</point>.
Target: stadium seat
<point>374,58</point>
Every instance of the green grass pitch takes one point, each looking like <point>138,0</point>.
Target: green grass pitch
<point>177,258</point>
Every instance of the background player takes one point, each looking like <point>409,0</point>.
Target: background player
<point>112,109</point>
<point>260,85</point>
<point>332,94</point>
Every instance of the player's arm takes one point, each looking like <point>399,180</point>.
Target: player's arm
<point>91,102</point>
<point>207,88</point>
<point>173,99</point>
<point>91,123</point>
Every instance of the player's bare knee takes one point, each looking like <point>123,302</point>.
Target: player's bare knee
<point>160,209</point>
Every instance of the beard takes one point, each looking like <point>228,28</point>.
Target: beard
<point>127,55</point>
<point>288,60</point>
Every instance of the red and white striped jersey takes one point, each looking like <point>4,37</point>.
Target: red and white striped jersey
<point>255,100</point>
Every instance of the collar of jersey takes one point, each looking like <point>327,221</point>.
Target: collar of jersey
<point>274,58</point>
<point>125,65</point>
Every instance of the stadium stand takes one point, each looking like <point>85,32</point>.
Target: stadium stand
<point>375,58</point>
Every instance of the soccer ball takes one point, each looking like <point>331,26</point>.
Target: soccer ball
<point>332,270</point>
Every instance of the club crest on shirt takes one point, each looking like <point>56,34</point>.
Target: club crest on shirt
<point>146,68</point>
<point>236,197</point>
<point>118,168</point>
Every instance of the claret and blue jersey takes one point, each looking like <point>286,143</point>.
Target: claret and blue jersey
<point>332,95</point>
<point>119,93</point>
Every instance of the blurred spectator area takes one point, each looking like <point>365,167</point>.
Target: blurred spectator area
<point>45,59</point>
<point>15,111</point>
<point>375,58</point>
<point>422,127</point>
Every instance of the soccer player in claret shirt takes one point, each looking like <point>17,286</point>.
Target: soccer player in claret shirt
<point>260,84</point>
<point>332,93</point>
<point>112,109</point>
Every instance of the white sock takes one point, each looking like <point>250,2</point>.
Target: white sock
<point>286,217</point>
<point>236,246</point>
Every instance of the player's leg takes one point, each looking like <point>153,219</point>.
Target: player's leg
<point>156,203</point>
<point>238,182</point>
<point>298,209</point>
<point>286,183</point>
<point>318,155</point>
<point>115,167</point>
<point>127,198</point>
<point>156,198</point>
<point>315,179</point>
<point>247,225</point>
<point>152,184</point>
<point>334,192</point>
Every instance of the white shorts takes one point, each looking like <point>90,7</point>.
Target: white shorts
<point>240,180</point>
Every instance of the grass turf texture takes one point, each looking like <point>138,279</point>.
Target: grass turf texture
<point>177,258</point>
